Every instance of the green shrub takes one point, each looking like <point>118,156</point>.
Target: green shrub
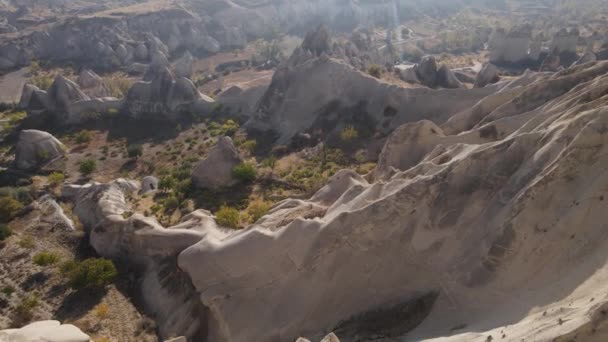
<point>8,290</point>
<point>9,207</point>
<point>245,172</point>
<point>90,273</point>
<point>375,70</point>
<point>43,82</point>
<point>87,166</point>
<point>349,134</point>
<point>229,127</point>
<point>249,146</point>
<point>228,217</point>
<point>56,178</point>
<point>135,150</point>
<point>118,86</point>
<point>167,183</point>
<point>27,242</point>
<point>45,258</point>
<point>84,137</point>
<point>5,232</point>
<point>257,209</point>
<point>25,309</point>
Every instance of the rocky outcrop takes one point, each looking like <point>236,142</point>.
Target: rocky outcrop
<point>50,331</point>
<point>462,213</point>
<point>512,47</point>
<point>65,102</point>
<point>427,71</point>
<point>183,66</point>
<point>115,233</point>
<point>215,171</point>
<point>500,216</point>
<point>447,79</point>
<point>487,75</point>
<point>36,148</point>
<point>310,93</point>
<point>149,184</point>
<point>588,57</point>
<point>164,97</point>
<point>317,42</point>
<point>160,97</point>
<point>92,84</point>
<point>53,215</point>
<point>565,41</point>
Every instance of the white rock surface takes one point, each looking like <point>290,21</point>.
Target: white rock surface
<point>44,331</point>
<point>215,171</point>
<point>36,148</point>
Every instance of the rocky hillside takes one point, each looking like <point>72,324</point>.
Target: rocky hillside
<point>488,226</point>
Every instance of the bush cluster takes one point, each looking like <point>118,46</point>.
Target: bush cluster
<point>90,273</point>
<point>245,172</point>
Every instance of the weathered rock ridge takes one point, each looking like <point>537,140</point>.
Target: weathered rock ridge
<point>486,222</point>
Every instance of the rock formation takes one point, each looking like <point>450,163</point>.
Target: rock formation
<point>92,84</point>
<point>37,148</point>
<point>215,171</point>
<point>149,184</point>
<point>49,331</point>
<point>183,66</point>
<point>310,93</point>
<point>498,212</point>
<point>164,97</point>
<point>511,47</point>
<point>160,97</point>
<point>487,75</point>
<point>65,102</point>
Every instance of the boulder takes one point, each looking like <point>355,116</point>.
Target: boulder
<point>427,71</point>
<point>47,331</point>
<point>92,84</point>
<point>149,184</point>
<point>487,75</point>
<point>447,79</point>
<point>34,99</point>
<point>63,92</point>
<point>408,74</point>
<point>183,66</point>
<point>162,96</point>
<point>141,52</point>
<point>36,148</point>
<point>551,63</point>
<point>215,171</point>
<point>588,57</point>
<point>318,41</point>
<point>331,338</point>
<point>515,46</point>
<point>53,215</point>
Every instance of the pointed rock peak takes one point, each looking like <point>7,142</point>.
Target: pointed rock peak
<point>88,78</point>
<point>318,41</point>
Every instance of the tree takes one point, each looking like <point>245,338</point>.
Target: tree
<point>375,70</point>
<point>56,178</point>
<point>90,273</point>
<point>87,166</point>
<point>228,217</point>
<point>9,207</point>
<point>135,151</point>
<point>271,163</point>
<point>349,134</point>
<point>245,172</point>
